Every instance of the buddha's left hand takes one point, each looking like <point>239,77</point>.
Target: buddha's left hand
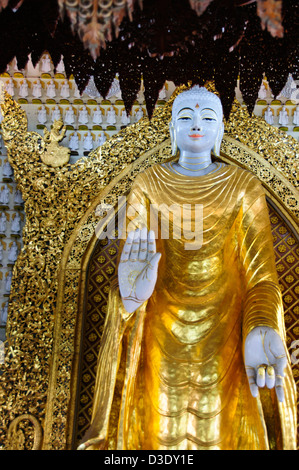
<point>265,360</point>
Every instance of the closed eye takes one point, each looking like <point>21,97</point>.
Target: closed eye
<point>184,118</point>
<point>209,119</point>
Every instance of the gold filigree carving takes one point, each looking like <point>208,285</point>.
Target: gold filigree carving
<point>18,437</point>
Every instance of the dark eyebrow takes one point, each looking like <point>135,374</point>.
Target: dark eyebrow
<point>210,109</point>
<point>183,109</point>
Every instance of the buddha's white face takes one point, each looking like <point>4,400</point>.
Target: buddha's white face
<point>197,126</point>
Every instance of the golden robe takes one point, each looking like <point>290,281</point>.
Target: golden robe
<point>171,375</point>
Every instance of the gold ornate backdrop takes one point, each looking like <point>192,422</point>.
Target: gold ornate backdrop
<point>62,275</point>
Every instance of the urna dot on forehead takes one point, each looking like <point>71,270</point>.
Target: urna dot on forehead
<point>200,94</point>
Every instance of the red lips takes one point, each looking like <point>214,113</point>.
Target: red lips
<point>195,136</point>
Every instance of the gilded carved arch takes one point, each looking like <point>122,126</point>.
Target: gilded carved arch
<point>48,290</point>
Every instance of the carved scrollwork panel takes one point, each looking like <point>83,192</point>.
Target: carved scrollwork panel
<point>23,431</point>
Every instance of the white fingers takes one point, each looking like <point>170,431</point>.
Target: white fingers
<point>266,376</point>
<point>270,377</point>
<point>279,389</point>
<point>139,245</point>
<point>279,379</point>
<point>265,360</point>
<point>151,244</point>
<point>261,377</point>
<point>143,244</point>
<point>127,247</point>
<point>153,257</point>
<point>251,374</point>
<point>135,245</point>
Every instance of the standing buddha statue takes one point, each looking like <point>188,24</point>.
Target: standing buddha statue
<point>193,352</point>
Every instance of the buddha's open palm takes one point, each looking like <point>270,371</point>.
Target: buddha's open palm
<point>137,270</point>
<point>265,360</point>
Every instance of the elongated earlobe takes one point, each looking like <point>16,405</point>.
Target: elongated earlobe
<point>174,147</point>
<point>217,146</point>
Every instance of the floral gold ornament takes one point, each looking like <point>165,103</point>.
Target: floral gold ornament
<point>47,303</point>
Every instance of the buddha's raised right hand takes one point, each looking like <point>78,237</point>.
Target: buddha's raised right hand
<point>138,267</point>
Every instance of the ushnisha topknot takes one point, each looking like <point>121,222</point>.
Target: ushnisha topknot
<point>200,94</point>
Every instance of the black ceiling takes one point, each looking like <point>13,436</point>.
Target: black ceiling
<point>166,40</point>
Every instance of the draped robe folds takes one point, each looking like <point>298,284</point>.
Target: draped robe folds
<point>171,375</point>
